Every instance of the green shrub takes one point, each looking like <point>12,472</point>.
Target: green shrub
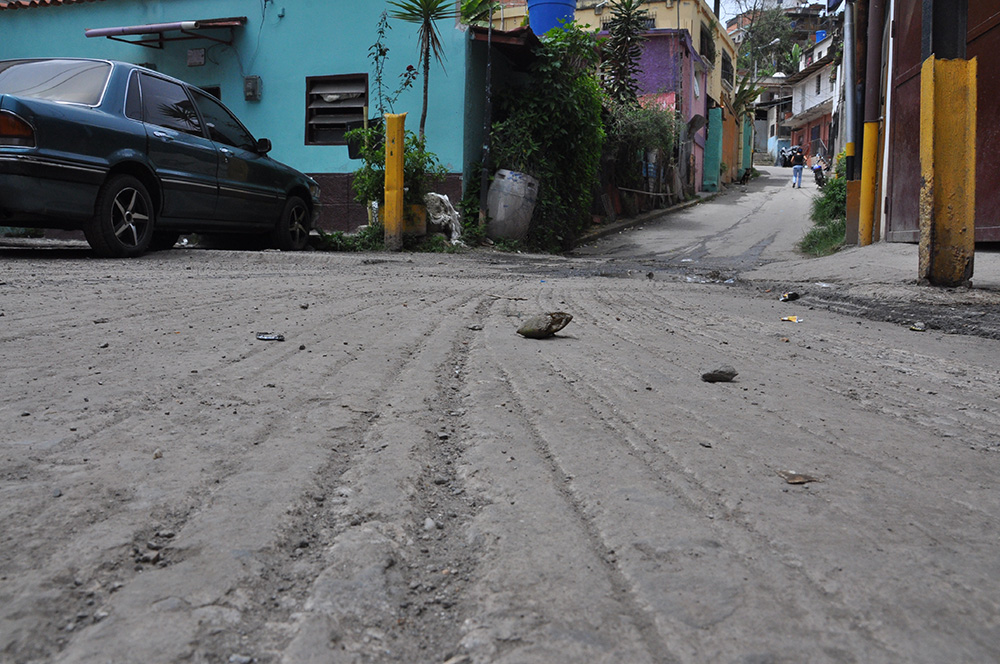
<point>832,202</point>
<point>368,238</point>
<point>631,132</point>
<point>551,129</point>
<point>421,168</point>
<point>824,239</point>
<point>829,215</point>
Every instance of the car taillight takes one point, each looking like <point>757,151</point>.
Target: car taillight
<point>15,131</point>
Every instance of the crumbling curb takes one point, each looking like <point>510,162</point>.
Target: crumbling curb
<point>638,220</point>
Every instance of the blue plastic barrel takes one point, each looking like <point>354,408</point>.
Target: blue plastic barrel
<point>543,15</point>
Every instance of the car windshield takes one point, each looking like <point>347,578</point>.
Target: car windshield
<point>77,81</point>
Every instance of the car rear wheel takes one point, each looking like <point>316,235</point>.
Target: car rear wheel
<point>292,231</point>
<point>122,225</point>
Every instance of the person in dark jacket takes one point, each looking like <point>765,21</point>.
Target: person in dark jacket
<point>798,162</point>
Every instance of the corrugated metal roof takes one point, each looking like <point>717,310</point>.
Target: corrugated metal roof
<point>27,4</point>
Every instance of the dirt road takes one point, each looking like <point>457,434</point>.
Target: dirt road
<point>405,479</point>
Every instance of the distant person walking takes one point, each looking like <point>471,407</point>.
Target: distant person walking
<point>798,163</point>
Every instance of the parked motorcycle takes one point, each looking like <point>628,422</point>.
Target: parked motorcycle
<point>785,155</point>
<point>818,172</point>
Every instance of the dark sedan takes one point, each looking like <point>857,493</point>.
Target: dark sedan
<point>134,158</point>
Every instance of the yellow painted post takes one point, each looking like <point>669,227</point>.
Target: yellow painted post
<point>392,214</point>
<point>948,171</point>
<point>869,182</point>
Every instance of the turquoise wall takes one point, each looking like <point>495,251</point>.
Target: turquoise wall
<point>283,42</point>
<point>713,151</point>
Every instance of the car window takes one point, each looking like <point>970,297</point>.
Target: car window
<point>77,81</point>
<point>133,102</point>
<point>166,104</point>
<point>223,127</point>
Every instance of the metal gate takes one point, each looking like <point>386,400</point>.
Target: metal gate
<point>983,42</point>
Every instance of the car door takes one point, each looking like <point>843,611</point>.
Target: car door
<point>185,160</point>
<point>251,186</point>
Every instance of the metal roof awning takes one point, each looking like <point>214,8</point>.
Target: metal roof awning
<point>518,45</point>
<point>153,35</point>
<point>810,114</point>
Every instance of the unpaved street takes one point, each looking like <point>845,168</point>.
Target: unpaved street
<point>405,479</point>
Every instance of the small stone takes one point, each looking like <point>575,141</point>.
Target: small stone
<point>476,328</point>
<point>541,326</point>
<point>104,345</point>
<point>723,374</point>
<point>919,327</point>
<point>240,659</point>
<point>157,453</point>
<point>429,524</point>
<point>150,557</point>
<point>57,493</point>
<point>304,306</point>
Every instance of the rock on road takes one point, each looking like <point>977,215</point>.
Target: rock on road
<point>406,479</point>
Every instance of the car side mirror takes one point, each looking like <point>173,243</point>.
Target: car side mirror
<point>263,145</point>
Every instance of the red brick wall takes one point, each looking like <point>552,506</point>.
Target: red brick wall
<point>340,212</point>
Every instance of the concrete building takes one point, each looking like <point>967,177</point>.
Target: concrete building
<point>271,67</point>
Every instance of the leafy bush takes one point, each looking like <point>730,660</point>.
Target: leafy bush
<point>824,239</point>
<point>421,168</point>
<point>829,214</point>
<point>631,132</point>
<point>552,130</point>
<point>832,203</point>
<point>368,238</point>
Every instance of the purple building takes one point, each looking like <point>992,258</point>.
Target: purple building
<point>673,76</point>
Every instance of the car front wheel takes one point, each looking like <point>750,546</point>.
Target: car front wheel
<point>292,230</point>
<point>122,225</point>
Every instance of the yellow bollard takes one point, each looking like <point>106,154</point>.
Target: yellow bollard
<point>392,213</point>
<point>948,171</point>
<point>869,185</point>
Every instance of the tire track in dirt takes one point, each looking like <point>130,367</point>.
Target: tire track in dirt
<point>706,424</point>
<point>687,605</point>
<point>391,341</point>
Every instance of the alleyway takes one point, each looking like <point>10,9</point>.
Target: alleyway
<point>405,479</point>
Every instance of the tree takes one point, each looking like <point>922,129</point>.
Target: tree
<point>623,49</point>
<point>425,13</point>
<point>766,38</point>
<point>767,35</point>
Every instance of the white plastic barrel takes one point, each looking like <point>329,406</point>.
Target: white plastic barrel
<point>510,203</point>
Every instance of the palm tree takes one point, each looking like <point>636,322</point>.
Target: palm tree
<point>425,13</point>
<point>623,50</point>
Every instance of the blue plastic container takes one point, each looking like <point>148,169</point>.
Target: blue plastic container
<point>543,15</point>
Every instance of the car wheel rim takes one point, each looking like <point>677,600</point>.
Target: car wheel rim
<point>129,216</point>
<point>297,224</point>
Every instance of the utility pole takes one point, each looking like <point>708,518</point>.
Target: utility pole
<point>850,83</point>
<point>869,143</point>
<point>947,146</point>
